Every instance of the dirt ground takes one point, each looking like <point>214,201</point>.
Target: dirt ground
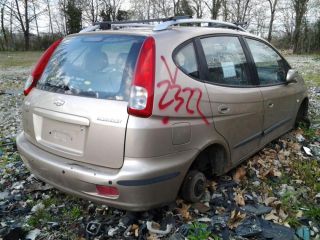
<point>273,195</point>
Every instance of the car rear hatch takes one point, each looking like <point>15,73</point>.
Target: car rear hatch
<point>78,109</point>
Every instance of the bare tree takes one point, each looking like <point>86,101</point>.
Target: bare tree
<point>300,8</point>
<point>198,8</point>
<point>112,6</point>
<point>91,10</point>
<point>225,10</point>
<point>5,38</point>
<point>287,19</point>
<point>240,10</point>
<point>214,7</point>
<point>50,18</point>
<point>36,18</point>
<point>24,21</point>
<point>258,19</point>
<point>273,6</point>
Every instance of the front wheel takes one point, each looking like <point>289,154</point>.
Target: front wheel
<point>302,116</point>
<point>193,186</point>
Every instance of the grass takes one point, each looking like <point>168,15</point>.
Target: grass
<point>45,215</point>
<point>199,231</point>
<point>313,78</point>
<point>18,59</point>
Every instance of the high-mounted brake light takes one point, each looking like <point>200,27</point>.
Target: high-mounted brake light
<point>39,68</point>
<point>142,89</point>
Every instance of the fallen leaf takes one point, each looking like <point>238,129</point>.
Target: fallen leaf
<point>153,236</point>
<point>299,214</point>
<point>220,210</point>
<point>184,211</point>
<point>239,199</point>
<point>235,219</point>
<point>276,173</point>
<point>296,146</point>
<point>212,186</point>
<point>282,214</point>
<point>202,208</point>
<point>134,227</point>
<point>272,216</point>
<point>269,200</point>
<point>136,232</point>
<point>240,174</point>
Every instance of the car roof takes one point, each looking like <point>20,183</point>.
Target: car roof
<point>189,32</point>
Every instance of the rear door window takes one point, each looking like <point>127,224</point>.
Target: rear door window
<point>226,61</point>
<point>271,68</point>
<point>98,66</point>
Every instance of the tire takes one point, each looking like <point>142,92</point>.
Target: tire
<point>302,117</point>
<point>193,187</point>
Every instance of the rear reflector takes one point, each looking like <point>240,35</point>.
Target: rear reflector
<point>39,68</point>
<point>107,191</point>
<point>142,89</point>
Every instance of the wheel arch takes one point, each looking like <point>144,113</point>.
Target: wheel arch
<point>213,159</point>
<point>302,113</point>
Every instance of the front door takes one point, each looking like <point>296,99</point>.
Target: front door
<point>279,98</point>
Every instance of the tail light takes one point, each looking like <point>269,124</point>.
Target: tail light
<point>39,68</point>
<point>142,89</point>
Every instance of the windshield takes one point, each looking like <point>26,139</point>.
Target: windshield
<point>99,66</point>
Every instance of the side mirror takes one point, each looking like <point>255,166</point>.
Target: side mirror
<point>292,76</point>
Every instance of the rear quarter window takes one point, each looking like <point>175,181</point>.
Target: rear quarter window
<point>98,66</point>
<point>185,58</point>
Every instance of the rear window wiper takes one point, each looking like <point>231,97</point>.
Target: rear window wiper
<point>61,87</point>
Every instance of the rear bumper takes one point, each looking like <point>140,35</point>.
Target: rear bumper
<point>142,183</point>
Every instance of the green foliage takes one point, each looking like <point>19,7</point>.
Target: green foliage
<point>308,39</point>
<point>74,16</point>
<point>123,15</point>
<point>198,231</point>
<point>185,8</point>
<point>314,213</point>
<point>308,132</point>
<point>39,217</point>
<point>75,212</point>
<point>293,222</point>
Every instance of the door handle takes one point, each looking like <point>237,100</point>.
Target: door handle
<point>223,109</point>
<point>270,105</point>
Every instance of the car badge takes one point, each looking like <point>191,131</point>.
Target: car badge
<point>59,102</point>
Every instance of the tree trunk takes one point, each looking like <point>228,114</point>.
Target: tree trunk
<point>3,29</point>
<point>245,9</point>
<point>300,7</point>
<point>27,30</point>
<point>36,19</point>
<point>225,10</point>
<point>50,19</point>
<point>214,8</point>
<point>273,11</point>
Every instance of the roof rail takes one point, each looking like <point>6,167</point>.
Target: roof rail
<point>120,25</point>
<point>165,23</point>
<point>211,23</point>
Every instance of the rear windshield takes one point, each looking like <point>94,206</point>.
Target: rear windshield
<point>98,66</point>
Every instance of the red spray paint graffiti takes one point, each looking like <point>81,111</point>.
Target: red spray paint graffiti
<point>171,84</point>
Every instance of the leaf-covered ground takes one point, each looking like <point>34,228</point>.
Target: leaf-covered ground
<point>273,195</point>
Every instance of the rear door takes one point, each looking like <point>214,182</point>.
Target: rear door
<point>279,98</point>
<point>79,107</point>
<point>236,103</point>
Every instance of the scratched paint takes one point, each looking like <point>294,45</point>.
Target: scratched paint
<point>178,101</point>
